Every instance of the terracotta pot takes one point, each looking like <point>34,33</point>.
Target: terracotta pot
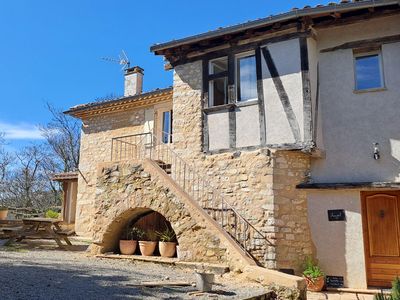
<point>315,284</point>
<point>127,247</point>
<point>3,214</point>
<point>147,248</point>
<point>167,249</point>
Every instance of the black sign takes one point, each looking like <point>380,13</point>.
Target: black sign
<point>334,281</point>
<point>336,215</point>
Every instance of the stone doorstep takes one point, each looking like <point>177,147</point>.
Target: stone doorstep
<point>214,268</point>
<point>359,291</point>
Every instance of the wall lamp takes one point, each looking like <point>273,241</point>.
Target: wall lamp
<point>377,154</point>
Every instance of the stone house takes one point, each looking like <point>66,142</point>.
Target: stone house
<point>278,140</point>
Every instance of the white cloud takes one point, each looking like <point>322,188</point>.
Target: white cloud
<point>20,131</point>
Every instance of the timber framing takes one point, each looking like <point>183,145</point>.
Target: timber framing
<point>298,20</point>
<point>349,186</point>
<point>121,104</point>
<point>370,43</point>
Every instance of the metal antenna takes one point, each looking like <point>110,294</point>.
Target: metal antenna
<point>122,60</point>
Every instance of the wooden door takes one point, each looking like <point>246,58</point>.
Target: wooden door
<point>381,236</point>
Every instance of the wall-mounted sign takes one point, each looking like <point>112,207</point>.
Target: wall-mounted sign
<point>334,281</point>
<point>336,215</point>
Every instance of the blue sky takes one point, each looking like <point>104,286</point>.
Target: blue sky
<point>51,50</point>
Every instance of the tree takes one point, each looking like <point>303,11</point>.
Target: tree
<point>63,135</point>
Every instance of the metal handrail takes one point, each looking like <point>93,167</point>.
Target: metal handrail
<point>190,179</point>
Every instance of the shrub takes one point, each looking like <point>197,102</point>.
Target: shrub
<point>395,293</point>
<point>168,235</point>
<point>151,236</point>
<point>312,270</point>
<point>136,234</point>
<point>52,214</point>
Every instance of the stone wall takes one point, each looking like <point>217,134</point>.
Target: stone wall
<point>260,184</point>
<point>124,191</point>
<point>97,133</point>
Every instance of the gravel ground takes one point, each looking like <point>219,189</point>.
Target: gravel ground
<point>29,271</point>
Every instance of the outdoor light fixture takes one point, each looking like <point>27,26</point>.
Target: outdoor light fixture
<point>377,154</point>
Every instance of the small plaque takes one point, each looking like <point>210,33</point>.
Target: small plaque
<point>336,215</point>
<point>334,281</point>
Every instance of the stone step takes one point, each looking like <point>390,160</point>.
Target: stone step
<point>214,268</point>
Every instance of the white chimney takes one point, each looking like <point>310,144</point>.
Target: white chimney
<point>133,81</point>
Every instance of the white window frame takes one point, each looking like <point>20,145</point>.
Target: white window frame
<point>381,71</point>
<point>237,57</point>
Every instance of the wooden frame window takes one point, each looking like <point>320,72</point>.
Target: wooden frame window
<point>246,77</point>
<point>231,78</point>
<point>218,81</point>
<point>368,71</point>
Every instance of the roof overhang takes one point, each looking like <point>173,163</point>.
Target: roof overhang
<point>122,104</point>
<point>66,176</point>
<point>329,14</point>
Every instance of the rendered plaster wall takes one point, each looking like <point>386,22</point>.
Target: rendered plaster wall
<point>247,126</point>
<point>219,133</point>
<point>351,121</point>
<point>339,245</point>
<point>286,56</point>
<point>97,133</point>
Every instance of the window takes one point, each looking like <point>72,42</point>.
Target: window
<point>167,127</point>
<point>218,85</point>
<point>368,71</point>
<point>232,78</point>
<point>246,78</point>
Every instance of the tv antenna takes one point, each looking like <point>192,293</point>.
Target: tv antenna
<point>122,60</point>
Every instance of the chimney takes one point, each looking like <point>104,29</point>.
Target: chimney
<point>133,81</point>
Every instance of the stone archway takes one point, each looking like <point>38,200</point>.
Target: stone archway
<point>125,191</point>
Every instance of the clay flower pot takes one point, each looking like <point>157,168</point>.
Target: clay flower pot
<point>315,284</point>
<point>147,248</point>
<point>127,247</point>
<point>167,249</point>
<point>3,213</point>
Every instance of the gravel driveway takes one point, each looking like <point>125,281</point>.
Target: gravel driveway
<point>40,273</point>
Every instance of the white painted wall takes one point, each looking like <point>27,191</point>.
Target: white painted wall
<point>218,124</point>
<point>339,245</point>
<point>286,56</point>
<point>247,126</point>
<point>352,122</point>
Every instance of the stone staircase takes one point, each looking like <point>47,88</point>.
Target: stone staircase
<point>194,187</point>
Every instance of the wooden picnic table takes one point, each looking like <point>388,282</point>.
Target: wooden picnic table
<point>42,227</point>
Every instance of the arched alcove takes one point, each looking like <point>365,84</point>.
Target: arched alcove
<point>144,218</point>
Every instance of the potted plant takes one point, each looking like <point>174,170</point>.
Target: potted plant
<point>167,244</point>
<point>148,245</point>
<point>313,275</point>
<point>128,246</point>
<point>3,212</point>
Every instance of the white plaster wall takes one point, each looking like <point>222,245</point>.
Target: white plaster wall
<point>352,122</point>
<point>286,56</point>
<point>218,133</point>
<point>339,245</point>
<point>247,126</point>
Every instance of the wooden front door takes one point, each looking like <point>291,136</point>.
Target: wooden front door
<point>381,236</point>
